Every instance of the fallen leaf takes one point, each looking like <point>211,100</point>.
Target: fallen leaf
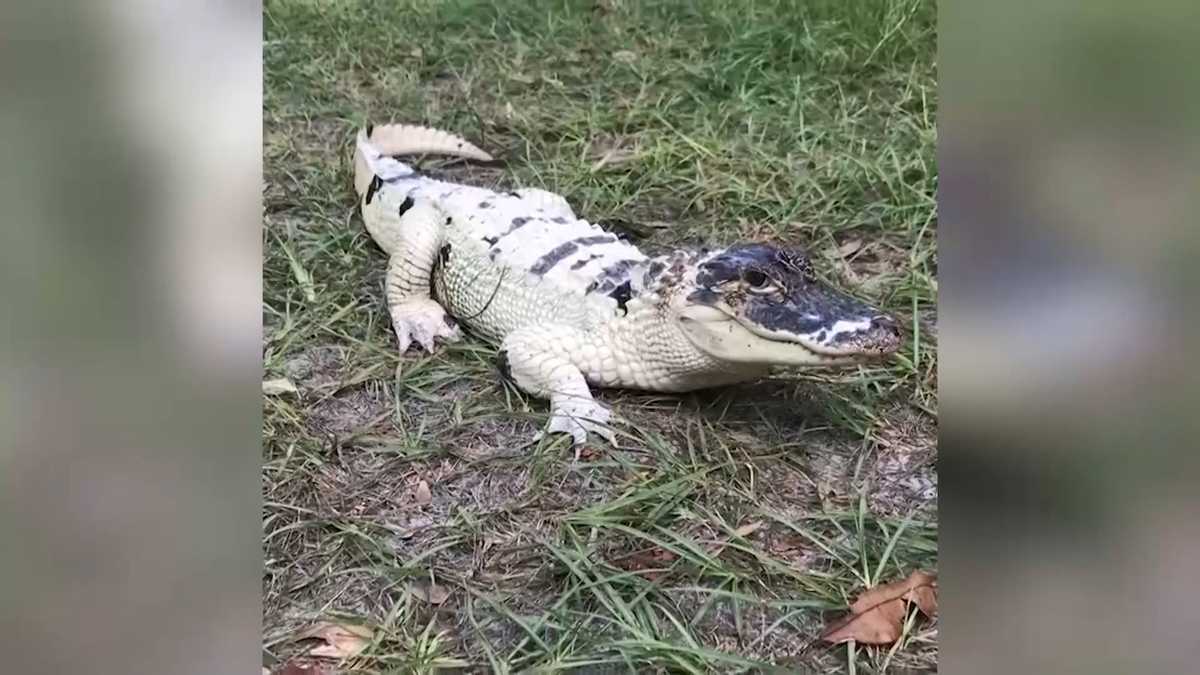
<point>422,495</point>
<point>588,453</point>
<point>341,640</point>
<point>877,615</point>
<point>647,564</point>
<point>429,592</point>
<point>278,387</point>
<point>848,248</point>
<point>925,598</point>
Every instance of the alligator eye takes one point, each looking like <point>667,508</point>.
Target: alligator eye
<point>757,280</point>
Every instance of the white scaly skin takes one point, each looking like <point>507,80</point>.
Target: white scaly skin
<point>520,270</point>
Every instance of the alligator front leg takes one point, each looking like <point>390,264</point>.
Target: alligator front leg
<point>537,360</point>
<point>416,315</point>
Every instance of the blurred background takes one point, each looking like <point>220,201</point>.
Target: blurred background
<point>1068,156</point>
<point>130,361</point>
<point>130,357</point>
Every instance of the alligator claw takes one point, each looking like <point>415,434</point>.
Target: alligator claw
<point>425,322</point>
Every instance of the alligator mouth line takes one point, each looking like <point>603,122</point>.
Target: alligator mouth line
<point>728,339</point>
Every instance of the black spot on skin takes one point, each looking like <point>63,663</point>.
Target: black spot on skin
<point>376,183</point>
<point>622,294</point>
<point>444,254</point>
<point>514,194</point>
<point>406,205</point>
<point>519,221</point>
<point>493,253</point>
<point>821,336</point>
<point>503,365</point>
<point>485,204</point>
<point>370,130</point>
<point>448,220</point>
<point>491,241</point>
<point>559,219</point>
<point>450,321</point>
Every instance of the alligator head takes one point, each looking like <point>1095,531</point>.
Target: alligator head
<point>759,304</point>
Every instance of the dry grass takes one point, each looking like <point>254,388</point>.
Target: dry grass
<point>720,121</point>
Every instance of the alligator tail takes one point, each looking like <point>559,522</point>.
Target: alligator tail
<point>390,140</point>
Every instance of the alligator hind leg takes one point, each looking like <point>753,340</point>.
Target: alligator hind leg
<point>415,315</point>
<point>536,359</point>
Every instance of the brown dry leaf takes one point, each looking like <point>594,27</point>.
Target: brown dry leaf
<point>341,640</point>
<point>429,592</point>
<point>740,533</point>
<point>877,614</point>
<point>925,598</point>
<point>588,453</point>
<point>648,564</point>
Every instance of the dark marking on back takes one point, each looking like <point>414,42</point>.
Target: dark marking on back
<point>376,183</point>
<point>608,278</point>
<point>370,130</point>
<point>444,254</point>
<point>563,251</point>
<point>514,194</point>
<point>622,294</point>
<point>517,223</point>
<point>485,204</point>
<point>595,239</point>
<point>448,220</point>
<point>580,263</point>
<point>491,241</point>
<point>559,219</point>
<point>555,256</point>
<point>406,205</point>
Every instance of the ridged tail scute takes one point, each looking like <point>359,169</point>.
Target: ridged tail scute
<point>393,140</point>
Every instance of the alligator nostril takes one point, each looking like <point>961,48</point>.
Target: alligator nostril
<point>884,323</point>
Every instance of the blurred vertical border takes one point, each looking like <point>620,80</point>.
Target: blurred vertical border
<point>1068,156</point>
<point>130,372</point>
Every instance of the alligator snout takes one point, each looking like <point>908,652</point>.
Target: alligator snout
<point>883,337</point>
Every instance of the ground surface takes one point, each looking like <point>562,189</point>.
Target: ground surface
<point>731,524</point>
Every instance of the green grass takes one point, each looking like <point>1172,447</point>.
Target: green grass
<point>811,123</point>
